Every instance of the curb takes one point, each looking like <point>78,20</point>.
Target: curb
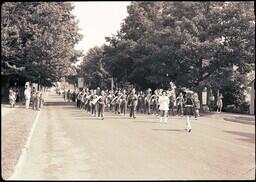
<point>239,121</point>
<point>24,153</point>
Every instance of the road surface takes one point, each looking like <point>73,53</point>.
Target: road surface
<point>71,144</point>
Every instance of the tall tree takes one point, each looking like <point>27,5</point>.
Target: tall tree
<point>38,39</point>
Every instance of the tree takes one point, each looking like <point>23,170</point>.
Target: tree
<point>196,44</point>
<point>38,40</point>
<point>92,69</point>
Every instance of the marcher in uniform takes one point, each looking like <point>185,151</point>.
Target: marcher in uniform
<point>180,101</point>
<point>188,109</point>
<point>132,103</point>
<point>101,105</point>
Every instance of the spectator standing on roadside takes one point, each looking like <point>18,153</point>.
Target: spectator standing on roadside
<point>41,100</point>
<point>211,104</point>
<point>37,100</point>
<point>180,101</point>
<point>197,105</point>
<point>27,94</point>
<point>12,97</point>
<point>219,103</point>
<point>33,98</point>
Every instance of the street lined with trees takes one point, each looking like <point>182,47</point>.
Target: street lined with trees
<point>193,44</point>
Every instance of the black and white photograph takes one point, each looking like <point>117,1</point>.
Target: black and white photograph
<point>128,90</point>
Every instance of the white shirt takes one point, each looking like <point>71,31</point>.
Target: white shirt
<point>27,93</point>
<point>164,103</point>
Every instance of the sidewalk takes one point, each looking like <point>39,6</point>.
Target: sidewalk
<point>233,117</point>
<point>5,108</point>
<point>16,125</point>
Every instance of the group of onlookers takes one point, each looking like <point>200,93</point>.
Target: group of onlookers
<point>35,97</point>
<point>32,96</point>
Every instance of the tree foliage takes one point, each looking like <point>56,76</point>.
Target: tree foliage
<point>193,44</point>
<point>38,40</point>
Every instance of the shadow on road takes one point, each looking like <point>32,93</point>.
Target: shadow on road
<point>59,104</point>
<point>248,137</point>
<point>178,130</point>
<point>146,121</point>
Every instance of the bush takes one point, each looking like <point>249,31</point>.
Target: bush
<point>231,108</point>
<point>245,108</point>
<point>242,109</point>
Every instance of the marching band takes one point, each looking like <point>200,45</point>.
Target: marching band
<point>161,102</point>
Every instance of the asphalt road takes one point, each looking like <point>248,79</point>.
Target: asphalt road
<point>71,144</point>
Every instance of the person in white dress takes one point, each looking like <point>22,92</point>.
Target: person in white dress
<point>27,94</point>
<point>163,106</point>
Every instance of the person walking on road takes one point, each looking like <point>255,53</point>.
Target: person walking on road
<point>101,105</point>
<point>132,102</point>
<point>188,111</point>
<point>211,102</point>
<point>180,101</point>
<point>93,103</point>
<point>163,106</point>
<point>27,94</point>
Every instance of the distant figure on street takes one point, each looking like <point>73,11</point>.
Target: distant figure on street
<point>123,102</point>
<point>38,100</point>
<point>188,111</point>
<point>33,98</point>
<point>65,95</point>
<point>219,103</point>
<point>147,102</point>
<point>211,104</point>
<point>27,94</point>
<point>180,101</point>
<point>69,96</point>
<point>12,97</point>
<point>141,102</point>
<point>164,106</point>
<point>132,103</point>
<point>93,103</point>
<point>172,100</point>
<point>41,100</point>
<point>197,105</point>
<point>101,105</point>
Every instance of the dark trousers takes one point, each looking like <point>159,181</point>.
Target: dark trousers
<point>147,108</point>
<point>101,109</point>
<point>93,109</point>
<point>117,108</point>
<point>123,108</point>
<point>133,111</point>
<point>180,110</point>
<point>78,103</point>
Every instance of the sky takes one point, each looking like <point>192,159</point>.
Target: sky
<point>98,20</point>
